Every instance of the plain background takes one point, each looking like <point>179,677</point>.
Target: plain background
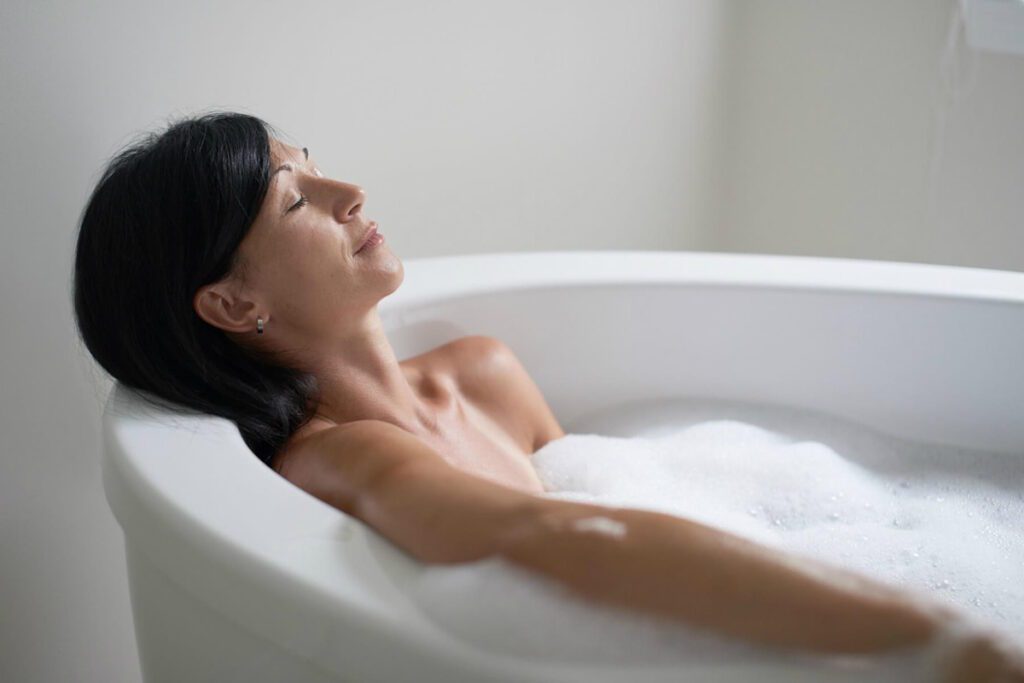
<point>849,128</point>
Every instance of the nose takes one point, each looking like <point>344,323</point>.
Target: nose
<point>349,201</point>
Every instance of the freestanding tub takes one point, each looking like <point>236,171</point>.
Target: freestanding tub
<point>236,575</point>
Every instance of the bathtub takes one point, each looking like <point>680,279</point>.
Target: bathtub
<point>236,575</point>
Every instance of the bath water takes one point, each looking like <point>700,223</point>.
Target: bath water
<point>942,521</point>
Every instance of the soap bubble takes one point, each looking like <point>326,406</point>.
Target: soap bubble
<point>939,521</point>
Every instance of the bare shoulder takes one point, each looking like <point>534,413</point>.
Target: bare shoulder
<point>342,462</point>
<point>473,359</point>
<point>489,373</point>
<point>406,491</point>
<point>478,361</point>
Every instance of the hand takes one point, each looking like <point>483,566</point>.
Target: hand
<point>985,658</point>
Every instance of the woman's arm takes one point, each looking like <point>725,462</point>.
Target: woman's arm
<point>682,569</point>
<point>407,492</point>
<point>635,559</point>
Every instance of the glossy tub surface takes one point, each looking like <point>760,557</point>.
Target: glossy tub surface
<point>235,574</point>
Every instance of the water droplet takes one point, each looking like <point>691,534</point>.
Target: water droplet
<point>833,516</point>
<point>777,522</point>
<point>904,484</point>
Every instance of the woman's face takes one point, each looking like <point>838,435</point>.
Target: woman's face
<point>299,258</point>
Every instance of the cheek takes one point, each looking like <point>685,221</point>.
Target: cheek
<point>305,271</point>
<point>302,260</point>
<point>309,265</point>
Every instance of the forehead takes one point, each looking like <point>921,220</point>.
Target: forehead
<point>281,151</point>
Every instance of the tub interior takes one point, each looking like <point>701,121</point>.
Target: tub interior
<point>925,368</point>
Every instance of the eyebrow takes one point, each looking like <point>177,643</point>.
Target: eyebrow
<point>287,166</point>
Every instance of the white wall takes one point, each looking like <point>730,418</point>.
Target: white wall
<point>856,130</point>
<point>473,126</point>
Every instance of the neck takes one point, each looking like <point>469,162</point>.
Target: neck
<point>360,379</point>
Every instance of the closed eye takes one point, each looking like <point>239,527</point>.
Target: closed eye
<point>302,202</point>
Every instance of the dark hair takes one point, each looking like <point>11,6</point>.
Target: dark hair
<point>167,217</point>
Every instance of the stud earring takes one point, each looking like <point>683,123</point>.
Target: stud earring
<point>259,325</point>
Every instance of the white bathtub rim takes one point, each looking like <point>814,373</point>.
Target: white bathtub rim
<point>489,273</point>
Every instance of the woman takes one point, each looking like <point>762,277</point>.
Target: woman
<point>219,269</point>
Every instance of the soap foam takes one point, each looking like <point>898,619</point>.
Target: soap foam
<point>942,522</point>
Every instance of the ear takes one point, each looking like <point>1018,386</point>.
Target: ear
<point>223,307</point>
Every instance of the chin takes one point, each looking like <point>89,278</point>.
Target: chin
<point>397,275</point>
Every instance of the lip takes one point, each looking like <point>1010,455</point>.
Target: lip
<point>366,238</point>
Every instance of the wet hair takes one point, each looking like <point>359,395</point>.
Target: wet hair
<point>165,218</point>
